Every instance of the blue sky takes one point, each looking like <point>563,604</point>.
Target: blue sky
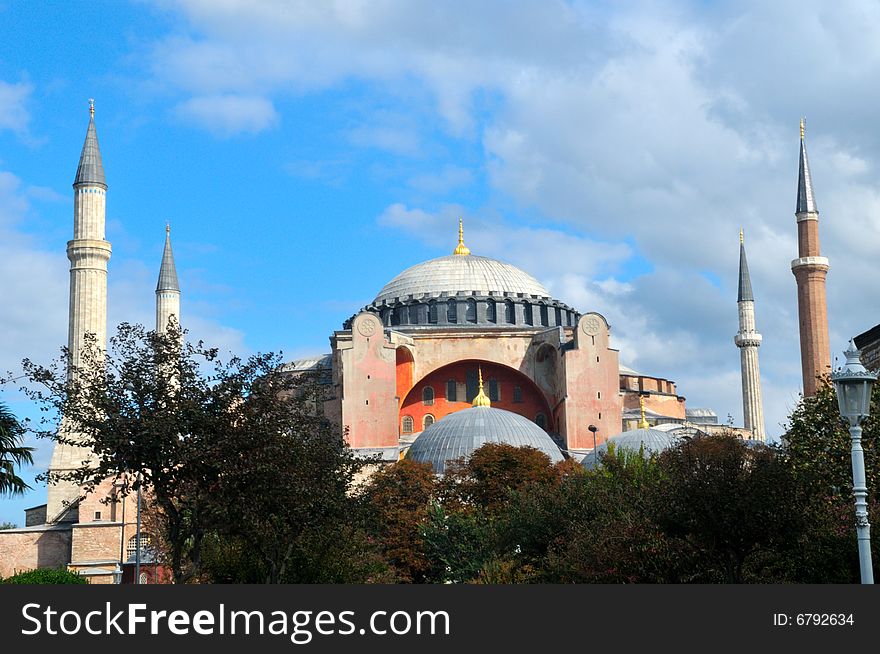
<point>305,153</point>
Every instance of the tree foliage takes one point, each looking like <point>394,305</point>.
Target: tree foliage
<point>12,454</point>
<point>46,576</point>
<point>231,451</point>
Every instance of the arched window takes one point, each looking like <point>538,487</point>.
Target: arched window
<point>470,313</point>
<point>493,390</point>
<point>432,312</point>
<point>451,391</point>
<point>414,314</point>
<point>558,317</point>
<point>527,312</point>
<point>407,425</point>
<point>396,315</point>
<point>427,421</point>
<point>545,319</point>
<point>541,421</point>
<point>131,547</point>
<point>517,394</point>
<point>491,314</point>
<point>509,312</point>
<point>428,396</point>
<point>451,311</point>
<point>471,385</point>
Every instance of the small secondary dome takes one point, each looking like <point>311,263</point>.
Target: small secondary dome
<point>459,434</point>
<point>653,441</point>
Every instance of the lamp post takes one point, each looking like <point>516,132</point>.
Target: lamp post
<point>594,429</point>
<point>117,574</point>
<point>853,384</point>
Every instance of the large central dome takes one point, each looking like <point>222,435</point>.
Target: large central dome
<point>456,273</point>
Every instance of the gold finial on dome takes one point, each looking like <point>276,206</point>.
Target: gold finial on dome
<point>462,249</point>
<point>481,399</point>
<point>803,121</point>
<point>643,423</point>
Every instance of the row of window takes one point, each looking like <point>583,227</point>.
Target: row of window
<point>471,390</point>
<point>91,190</point>
<point>407,424</point>
<point>410,313</point>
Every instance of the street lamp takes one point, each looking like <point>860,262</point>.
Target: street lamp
<point>853,385</point>
<point>117,574</point>
<point>594,429</point>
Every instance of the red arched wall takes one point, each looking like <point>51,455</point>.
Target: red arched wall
<point>533,401</point>
<point>404,372</point>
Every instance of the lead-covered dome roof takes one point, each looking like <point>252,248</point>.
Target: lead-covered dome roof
<point>456,273</point>
<point>459,434</point>
<point>649,441</point>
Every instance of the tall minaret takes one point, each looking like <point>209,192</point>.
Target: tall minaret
<point>167,289</point>
<point>810,269</point>
<point>89,253</point>
<point>748,340</point>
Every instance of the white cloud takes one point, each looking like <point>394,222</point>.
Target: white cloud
<point>15,115</point>
<point>655,130</point>
<point>226,115</point>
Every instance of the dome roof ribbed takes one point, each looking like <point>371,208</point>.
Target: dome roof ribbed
<point>456,273</point>
<point>460,433</point>
<point>654,441</point>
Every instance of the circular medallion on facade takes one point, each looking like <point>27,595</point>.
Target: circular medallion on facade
<point>367,326</point>
<point>592,326</point>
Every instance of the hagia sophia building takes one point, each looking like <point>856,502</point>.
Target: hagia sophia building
<point>451,353</point>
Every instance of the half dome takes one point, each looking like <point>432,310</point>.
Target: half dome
<point>455,274</point>
<point>460,433</point>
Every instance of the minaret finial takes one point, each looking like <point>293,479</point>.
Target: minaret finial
<point>462,249</point>
<point>92,107</point>
<point>643,423</point>
<point>803,124</point>
<point>481,398</point>
<point>167,227</point>
<point>741,239</point>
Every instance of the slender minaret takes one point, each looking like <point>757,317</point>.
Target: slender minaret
<point>748,340</point>
<point>167,289</point>
<point>89,253</point>
<point>810,269</point>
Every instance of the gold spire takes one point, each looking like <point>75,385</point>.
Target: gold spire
<point>92,107</point>
<point>481,399</point>
<point>462,248</point>
<point>741,239</point>
<point>643,423</point>
<point>167,228</point>
<point>803,120</point>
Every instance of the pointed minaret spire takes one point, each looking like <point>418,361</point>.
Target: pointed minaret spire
<point>806,202</point>
<point>90,169</point>
<point>810,270</point>
<point>167,288</point>
<point>167,271</point>
<point>745,282</point>
<point>748,340</point>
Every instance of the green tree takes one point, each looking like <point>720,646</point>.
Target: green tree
<point>12,454</point>
<point>730,502</point>
<point>228,449</point>
<point>46,576</point>
<point>397,499</point>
